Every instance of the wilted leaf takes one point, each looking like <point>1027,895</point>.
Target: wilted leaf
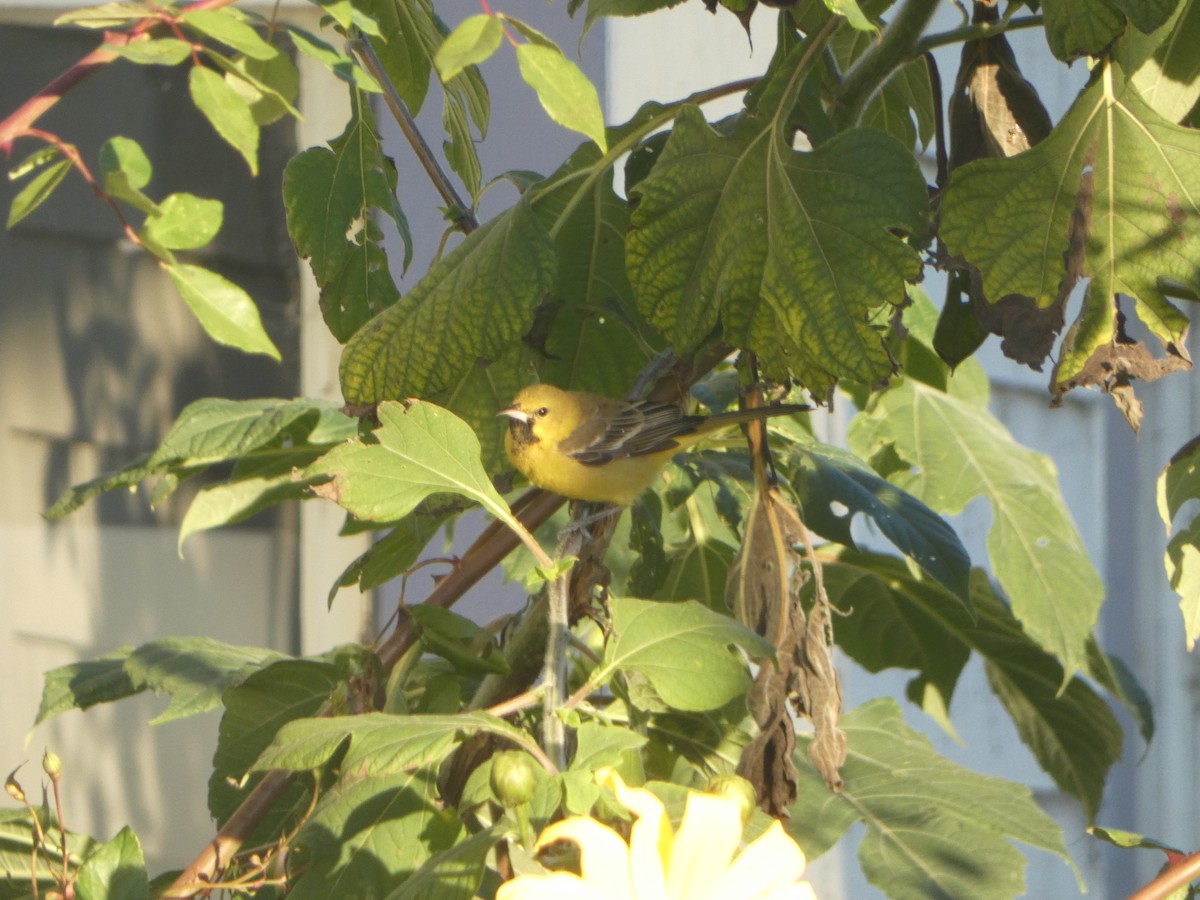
<point>1113,168</point>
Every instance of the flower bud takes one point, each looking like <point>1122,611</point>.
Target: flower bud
<point>514,778</point>
<point>51,764</point>
<point>13,789</point>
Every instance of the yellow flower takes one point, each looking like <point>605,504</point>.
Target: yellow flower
<point>696,863</point>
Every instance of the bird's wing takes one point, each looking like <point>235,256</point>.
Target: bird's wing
<point>629,429</point>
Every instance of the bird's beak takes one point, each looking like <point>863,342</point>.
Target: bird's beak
<point>515,413</point>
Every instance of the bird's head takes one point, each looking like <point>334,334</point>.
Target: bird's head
<point>540,411</point>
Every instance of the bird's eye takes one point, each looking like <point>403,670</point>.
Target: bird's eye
<point>542,413</point>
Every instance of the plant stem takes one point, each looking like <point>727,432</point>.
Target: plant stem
<point>974,32</point>
<point>461,213</point>
<point>26,115</point>
<point>1179,875</point>
<point>554,668</point>
<point>896,45</point>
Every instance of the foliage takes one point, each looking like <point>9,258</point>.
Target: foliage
<point>778,248</point>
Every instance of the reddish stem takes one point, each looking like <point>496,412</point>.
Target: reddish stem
<point>20,122</point>
<point>1178,875</point>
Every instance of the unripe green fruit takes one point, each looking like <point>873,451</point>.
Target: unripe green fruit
<point>514,778</point>
<point>737,789</point>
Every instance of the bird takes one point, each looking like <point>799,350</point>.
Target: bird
<point>589,447</point>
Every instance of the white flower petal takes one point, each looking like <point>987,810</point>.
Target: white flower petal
<point>556,886</point>
<point>603,856</point>
<point>650,838</point>
<point>707,839</point>
<point>769,868</point>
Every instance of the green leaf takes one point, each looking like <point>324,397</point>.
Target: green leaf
<point>379,744</point>
<point>428,342</point>
<point>215,429</point>
<point>795,254</point>
<point>422,450</point>
<point>227,111</point>
<point>1116,678</point>
<point>338,63</point>
<point>683,649</point>
<point>473,41</point>
<point>184,222</point>
<point>409,38</point>
<point>598,9</point>
<point>224,310</point>
<point>330,196</point>
<point>564,91</point>
<point>124,171</point>
<point>458,640</point>
<point>1178,483</point>
<point>1162,65</point>
<point>255,710</point>
<point>39,189</point>
<point>824,475</point>
<point>595,317</point>
<point>908,93</point>
<point>1128,839</point>
<point>453,874</point>
<point>193,671</point>
<point>853,14</point>
<point>953,451</point>
<point>1183,571</point>
<point>393,554</point>
<point>85,684</point>
<point>116,869</point>
<point>228,26</point>
<point>107,15</point>
<point>77,496</point>
<point>371,834</point>
<point>19,861</point>
<point>933,829</point>
<point>1125,177</point>
<point>412,34</point>
<point>225,504</point>
<point>153,52</point>
<point>269,86</point>
<point>896,621</point>
<point>1080,27</point>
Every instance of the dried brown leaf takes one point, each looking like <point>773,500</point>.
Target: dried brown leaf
<point>1114,367</point>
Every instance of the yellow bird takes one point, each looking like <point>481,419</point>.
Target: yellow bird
<point>587,447</point>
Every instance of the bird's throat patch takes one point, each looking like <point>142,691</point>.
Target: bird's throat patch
<point>522,433</point>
